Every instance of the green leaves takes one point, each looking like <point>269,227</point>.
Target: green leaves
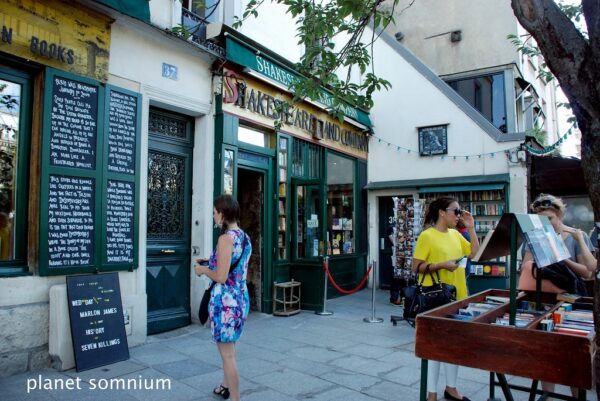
<point>333,34</point>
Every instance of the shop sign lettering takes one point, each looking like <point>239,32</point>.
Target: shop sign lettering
<point>6,34</point>
<point>268,106</point>
<point>42,47</point>
<point>51,50</point>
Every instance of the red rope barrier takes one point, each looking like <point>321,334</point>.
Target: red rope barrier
<point>340,289</point>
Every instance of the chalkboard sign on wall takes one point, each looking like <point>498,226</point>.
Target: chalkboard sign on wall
<point>122,123</point>
<point>89,201</point>
<point>120,206</point>
<point>96,316</point>
<point>71,218</point>
<point>74,124</point>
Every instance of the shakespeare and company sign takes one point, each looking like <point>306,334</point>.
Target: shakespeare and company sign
<point>56,34</point>
<point>256,101</point>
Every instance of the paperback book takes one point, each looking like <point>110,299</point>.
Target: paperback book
<point>546,246</point>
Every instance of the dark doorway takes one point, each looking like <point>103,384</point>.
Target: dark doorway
<point>386,221</point>
<point>251,198</point>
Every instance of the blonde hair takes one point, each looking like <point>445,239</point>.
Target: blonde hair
<point>547,201</point>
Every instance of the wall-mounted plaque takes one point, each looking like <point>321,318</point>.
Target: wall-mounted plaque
<point>433,140</point>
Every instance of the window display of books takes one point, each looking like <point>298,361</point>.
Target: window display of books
<point>282,161</point>
<point>487,206</point>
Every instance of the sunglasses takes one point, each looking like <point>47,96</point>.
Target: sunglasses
<point>545,203</point>
<point>457,211</point>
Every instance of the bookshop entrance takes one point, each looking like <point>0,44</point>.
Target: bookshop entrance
<point>251,193</point>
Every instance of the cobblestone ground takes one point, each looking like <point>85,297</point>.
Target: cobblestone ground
<point>302,357</point>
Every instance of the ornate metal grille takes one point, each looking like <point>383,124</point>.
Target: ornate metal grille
<point>167,126</point>
<point>166,183</point>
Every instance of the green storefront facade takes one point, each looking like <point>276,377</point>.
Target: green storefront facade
<point>300,187</point>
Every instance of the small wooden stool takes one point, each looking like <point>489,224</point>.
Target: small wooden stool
<point>289,302</point>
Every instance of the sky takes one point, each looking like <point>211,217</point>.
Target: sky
<point>569,147</point>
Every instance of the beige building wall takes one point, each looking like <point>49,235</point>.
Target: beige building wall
<point>427,28</point>
<point>484,26</point>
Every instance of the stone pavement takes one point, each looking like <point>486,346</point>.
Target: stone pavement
<point>302,357</point>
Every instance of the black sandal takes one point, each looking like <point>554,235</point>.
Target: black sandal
<point>222,391</point>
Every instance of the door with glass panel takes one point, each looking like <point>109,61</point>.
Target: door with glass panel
<point>170,146</point>
<point>307,228</point>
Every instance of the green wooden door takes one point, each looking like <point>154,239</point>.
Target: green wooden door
<point>170,148</point>
<point>307,242</point>
<point>253,189</point>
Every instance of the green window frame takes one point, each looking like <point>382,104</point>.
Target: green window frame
<point>18,265</point>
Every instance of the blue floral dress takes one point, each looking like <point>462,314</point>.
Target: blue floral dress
<point>229,302</point>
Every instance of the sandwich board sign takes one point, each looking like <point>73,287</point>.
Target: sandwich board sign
<point>96,317</point>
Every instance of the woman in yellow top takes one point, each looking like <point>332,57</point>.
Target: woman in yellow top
<point>439,248</point>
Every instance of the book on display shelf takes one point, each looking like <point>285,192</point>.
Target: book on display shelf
<point>483,246</point>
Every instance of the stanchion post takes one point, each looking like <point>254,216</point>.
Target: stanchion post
<point>325,312</point>
<point>373,319</point>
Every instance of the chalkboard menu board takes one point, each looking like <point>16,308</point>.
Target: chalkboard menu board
<point>71,217</point>
<point>120,206</point>
<point>96,316</point>
<point>73,124</point>
<point>122,123</point>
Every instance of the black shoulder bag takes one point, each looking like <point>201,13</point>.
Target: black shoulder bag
<point>420,298</point>
<point>203,310</point>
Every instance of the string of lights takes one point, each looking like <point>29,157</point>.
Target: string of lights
<point>551,148</point>
<point>445,156</point>
<point>546,150</point>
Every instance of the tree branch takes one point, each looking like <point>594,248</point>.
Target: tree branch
<point>565,50</point>
<point>591,13</point>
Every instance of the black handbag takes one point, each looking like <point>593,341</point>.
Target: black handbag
<point>203,309</point>
<point>420,298</point>
<point>563,277</point>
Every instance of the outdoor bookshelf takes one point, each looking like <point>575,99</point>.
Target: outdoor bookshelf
<point>526,352</point>
<point>487,206</point>
<point>529,351</point>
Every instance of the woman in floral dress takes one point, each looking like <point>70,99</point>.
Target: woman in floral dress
<point>229,301</point>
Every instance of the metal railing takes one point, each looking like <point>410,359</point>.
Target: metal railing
<point>196,26</point>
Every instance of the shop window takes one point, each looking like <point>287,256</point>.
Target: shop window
<point>306,159</point>
<point>298,158</point>
<point>282,230</point>
<point>228,172</point>
<point>13,169</point>
<point>252,136</point>
<point>208,10</point>
<point>340,204</point>
<point>485,93</point>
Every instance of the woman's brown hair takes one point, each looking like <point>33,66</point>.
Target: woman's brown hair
<point>229,208</point>
<point>432,214</point>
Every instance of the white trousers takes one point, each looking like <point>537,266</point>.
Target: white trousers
<point>433,374</point>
